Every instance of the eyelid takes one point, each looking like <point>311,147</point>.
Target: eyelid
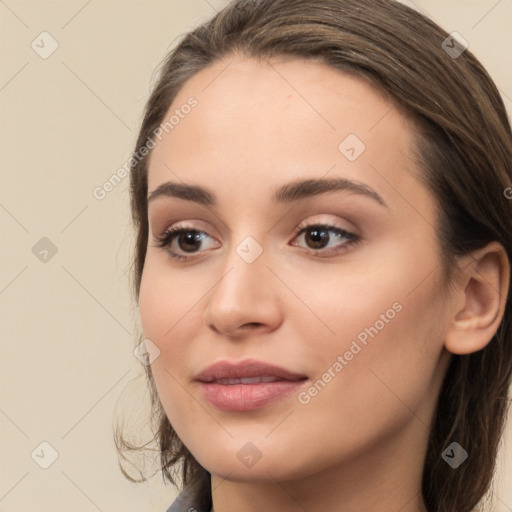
<point>308,222</point>
<point>350,227</point>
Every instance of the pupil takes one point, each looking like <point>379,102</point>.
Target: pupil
<point>190,238</point>
<point>318,237</point>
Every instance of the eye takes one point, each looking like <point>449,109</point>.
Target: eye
<point>189,240</point>
<point>317,237</point>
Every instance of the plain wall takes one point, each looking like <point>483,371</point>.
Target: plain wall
<point>68,122</point>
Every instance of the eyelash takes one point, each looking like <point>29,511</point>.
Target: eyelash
<point>166,238</point>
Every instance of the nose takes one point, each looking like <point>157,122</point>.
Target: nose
<point>244,298</point>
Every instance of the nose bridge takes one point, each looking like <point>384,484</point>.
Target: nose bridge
<point>245,265</point>
<point>248,241</point>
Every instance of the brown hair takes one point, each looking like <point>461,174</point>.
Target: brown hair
<point>464,149</point>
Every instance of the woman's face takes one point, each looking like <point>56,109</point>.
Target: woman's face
<point>356,307</point>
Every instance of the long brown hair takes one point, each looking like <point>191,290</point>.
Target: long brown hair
<point>464,150</point>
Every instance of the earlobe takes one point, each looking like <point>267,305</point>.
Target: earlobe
<point>484,286</point>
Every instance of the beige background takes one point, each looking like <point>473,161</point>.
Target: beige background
<point>67,123</point>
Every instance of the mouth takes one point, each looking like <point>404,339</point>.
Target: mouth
<point>247,385</point>
<point>246,369</point>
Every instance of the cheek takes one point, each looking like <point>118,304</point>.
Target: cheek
<point>387,325</point>
<point>389,335</point>
<point>166,302</point>
<point>163,312</point>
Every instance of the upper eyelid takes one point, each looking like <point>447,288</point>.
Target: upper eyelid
<point>314,219</point>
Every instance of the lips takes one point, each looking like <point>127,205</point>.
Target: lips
<point>247,385</point>
<point>249,371</point>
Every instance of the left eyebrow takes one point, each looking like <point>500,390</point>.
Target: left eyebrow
<point>290,192</point>
<point>300,189</point>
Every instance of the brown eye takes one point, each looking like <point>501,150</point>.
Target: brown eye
<point>317,236</point>
<point>187,240</point>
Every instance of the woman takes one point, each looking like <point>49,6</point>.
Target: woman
<point>322,261</point>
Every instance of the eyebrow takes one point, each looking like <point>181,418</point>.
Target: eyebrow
<point>288,193</point>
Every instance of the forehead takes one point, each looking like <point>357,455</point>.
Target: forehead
<point>267,122</point>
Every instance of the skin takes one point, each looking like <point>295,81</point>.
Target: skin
<point>360,443</point>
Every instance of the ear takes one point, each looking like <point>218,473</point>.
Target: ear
<point>479,302</point>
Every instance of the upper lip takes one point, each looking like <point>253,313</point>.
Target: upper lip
<point>245,368</point>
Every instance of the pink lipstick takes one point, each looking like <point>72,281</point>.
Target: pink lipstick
<point>247,385</point>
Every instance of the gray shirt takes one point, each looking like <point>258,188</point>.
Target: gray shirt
<point>189,500</point>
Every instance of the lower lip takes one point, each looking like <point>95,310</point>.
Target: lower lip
<point>247,397</point>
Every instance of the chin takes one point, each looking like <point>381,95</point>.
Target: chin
<point>244,462</point>
<point>260,473</point>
